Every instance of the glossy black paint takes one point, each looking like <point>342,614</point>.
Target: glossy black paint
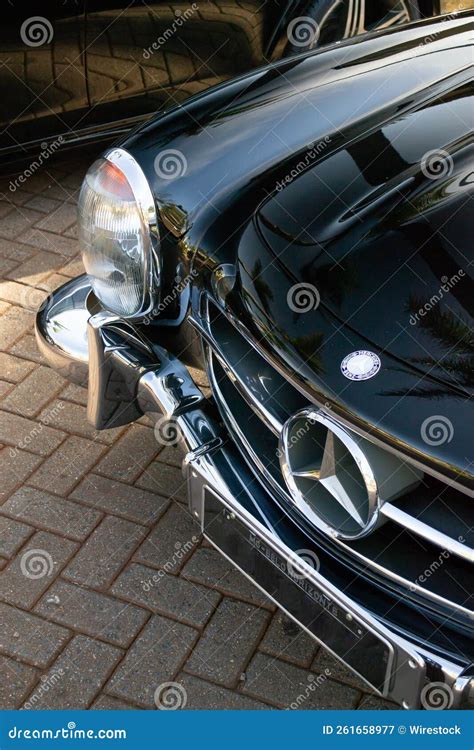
<point>350,103</point>
<point>93,68</point>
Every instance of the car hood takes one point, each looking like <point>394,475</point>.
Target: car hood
<point>378,234</point>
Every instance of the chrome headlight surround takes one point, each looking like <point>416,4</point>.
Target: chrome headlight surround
<point>151,266</point>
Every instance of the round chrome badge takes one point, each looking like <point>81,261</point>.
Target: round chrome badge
<point>360,365</point>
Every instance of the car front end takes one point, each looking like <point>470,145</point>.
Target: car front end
<point>313,465</point>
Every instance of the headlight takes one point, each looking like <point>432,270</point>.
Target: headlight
<point>118,234</point>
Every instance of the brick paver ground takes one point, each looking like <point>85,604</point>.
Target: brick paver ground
<point>89,618</point>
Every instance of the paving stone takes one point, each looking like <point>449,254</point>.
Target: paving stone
<point>22,295</point>
<point>18,679</point>
<point>107,703</point>
<point>105,552</point>
<point>120,499</point>
<point>166,594</point>
<point>228,642</point>
<point>41,203</point>
<point>92,613</point>
<point>12,536</point>
<point>51,513</point>
<point>15,467</point>
<point>65,467</point>
<point>155,658</point>
<point>60,219</point>
<point>29,638</point>
<point>73,267</point>
<point>205,696</point>
<point>165,480</point>
<point>35,269</point>
<point>31,395</point>
<point>26,434</point>
<point>13,324</point>
<point>171,542</point>
<point>76,676</point>
<point>75,393</point>
<point>374,703</point>
<point>52,243</point>
<point>31,572</point>
<point>52,282</point>
<point>14,369</point>
<point>27,347</point>
<point>172,455</point>
<point>15,250</point>
<point>209,567</point>
<point>17,221</point>
<point>287,686</point>
<point>286,640</point>
<point>73,418</point>
<point>131,453</point>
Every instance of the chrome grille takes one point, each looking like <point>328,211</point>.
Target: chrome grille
<point>424,550</point>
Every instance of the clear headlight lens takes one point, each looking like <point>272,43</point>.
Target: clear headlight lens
<point>115,239</point>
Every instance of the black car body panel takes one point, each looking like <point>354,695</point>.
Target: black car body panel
<point>384,212</point>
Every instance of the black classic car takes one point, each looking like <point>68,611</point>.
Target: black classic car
<point>72,70</point>
<point>303,233</point>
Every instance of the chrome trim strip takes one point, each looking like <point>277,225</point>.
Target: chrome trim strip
<point>427,532</point>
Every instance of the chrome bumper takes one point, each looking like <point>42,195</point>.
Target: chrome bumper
<point>127,377</point>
